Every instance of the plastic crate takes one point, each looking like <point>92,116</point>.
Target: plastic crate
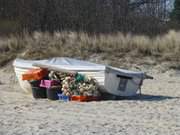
<point>84,98</point>
<point>34,74</point>
<point>49,83</point>
<point>64,98</point>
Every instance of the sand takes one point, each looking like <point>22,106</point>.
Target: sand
<point>156,112</point>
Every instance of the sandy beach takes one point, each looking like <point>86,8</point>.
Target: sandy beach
<point>156,112</point>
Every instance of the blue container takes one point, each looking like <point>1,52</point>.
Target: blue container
<point>63,97</point>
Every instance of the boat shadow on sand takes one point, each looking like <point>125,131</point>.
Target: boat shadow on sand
<point>140,97</point>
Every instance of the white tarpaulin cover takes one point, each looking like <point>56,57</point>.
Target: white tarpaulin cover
<point>61,63</point>
<point>96,71</point>
<point>70,64</point>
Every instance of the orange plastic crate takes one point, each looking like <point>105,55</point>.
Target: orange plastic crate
<point>84,98</point>
<point>35,74</point>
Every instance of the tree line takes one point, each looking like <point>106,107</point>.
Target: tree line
<point>92,16</point>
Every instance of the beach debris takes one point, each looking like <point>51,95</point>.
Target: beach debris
<point>76,84</point>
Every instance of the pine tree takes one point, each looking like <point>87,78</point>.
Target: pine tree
<point>176,12</point>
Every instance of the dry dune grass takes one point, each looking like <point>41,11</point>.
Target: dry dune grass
<point>112,47</point>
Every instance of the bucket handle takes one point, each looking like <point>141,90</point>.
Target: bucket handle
<point>125,77</point>
<point>149,77</point>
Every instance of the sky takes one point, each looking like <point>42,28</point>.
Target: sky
<point>171,4</point>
